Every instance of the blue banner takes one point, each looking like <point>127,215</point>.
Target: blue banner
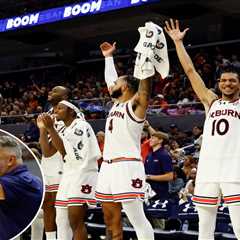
<point>68,12</point>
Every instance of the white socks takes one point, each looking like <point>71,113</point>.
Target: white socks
<point>135,213</point>
<point>51,235</point>
<point>207,222</point>
<point>64,231</point>
<point>37,227</point>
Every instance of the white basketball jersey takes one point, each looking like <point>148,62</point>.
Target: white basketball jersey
<point>122,133</point>
<point>81,146</point>
<point>219,159</point>
<point>54,164</point>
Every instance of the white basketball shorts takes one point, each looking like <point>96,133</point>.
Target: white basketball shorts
<point>77,189</point>
<point>121,181</point>
<point>211,194</point>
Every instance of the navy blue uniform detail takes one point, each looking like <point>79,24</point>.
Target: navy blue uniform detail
<point>23,195</point>
<point>159,163</point>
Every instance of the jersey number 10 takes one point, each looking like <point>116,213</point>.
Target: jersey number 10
<point>216,127</point>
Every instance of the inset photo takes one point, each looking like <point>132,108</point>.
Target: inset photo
<point>21,186</point>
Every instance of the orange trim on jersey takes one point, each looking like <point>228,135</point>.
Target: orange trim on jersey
<point>119,196</point>
<point>60,203</point>
<point>52,185</point>
<point>205,200</point>
<point>132,117</point>
<point>128,195</point>
<point>235,198</point>
<point>51,188</point>
<point>83,200</point>
<point>102,195</point>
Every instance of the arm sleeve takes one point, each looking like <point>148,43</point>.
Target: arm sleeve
<point>110,72</point>
<point>12,189</point>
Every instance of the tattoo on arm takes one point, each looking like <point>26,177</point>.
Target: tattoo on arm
<point>145,87</point>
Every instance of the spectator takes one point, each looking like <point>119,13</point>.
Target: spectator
<point>174,188</point>
<point>173,131</point>
<point>159,102</point>
<point>188,165</point>
<point>189,188</point>
<point>158,166</point>
<point>145,141</point>
<point>177,183</point>
<point>197,132</point>
<point>31,133</point>
<point>235,62</point>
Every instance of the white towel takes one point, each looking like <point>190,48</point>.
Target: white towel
<point>148,39</point>
<point>160,59</point>
<point>152,52</point>
<point>149,193</point>
<point>143,67</point>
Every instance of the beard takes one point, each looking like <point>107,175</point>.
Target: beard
<point>117,93</point>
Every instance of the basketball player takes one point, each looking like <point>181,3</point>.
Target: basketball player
<point>219,162</point>
<point>80,152</point>
<point>121,181</point>
<point>51,165</point>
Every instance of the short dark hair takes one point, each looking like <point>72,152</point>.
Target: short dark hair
<point>131,82</point>
<point>229,68</point>
<point>161,135</point>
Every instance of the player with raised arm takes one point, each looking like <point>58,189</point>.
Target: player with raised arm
<point>121,181</point>
<point>219,165</point>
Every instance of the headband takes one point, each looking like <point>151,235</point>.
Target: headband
<point>73,107</point>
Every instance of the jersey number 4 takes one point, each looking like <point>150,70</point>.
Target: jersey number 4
<point>220,126</point>
<point>110,128</point>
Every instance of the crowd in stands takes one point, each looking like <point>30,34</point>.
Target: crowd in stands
<point>25,93</point>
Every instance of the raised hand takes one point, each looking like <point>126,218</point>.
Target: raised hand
<point>108,49</point>
<point>172,29</point>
